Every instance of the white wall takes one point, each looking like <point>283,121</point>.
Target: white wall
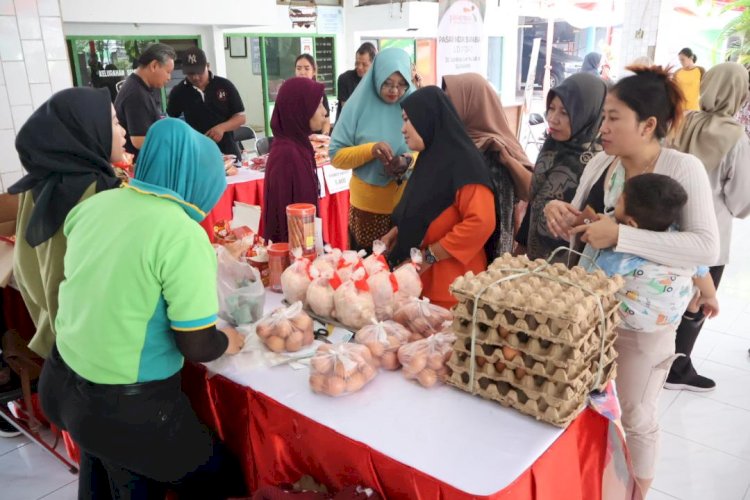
<point>216,12</point>
<point>250,86</point>
<point>639,15</point>
<point>34,65</point>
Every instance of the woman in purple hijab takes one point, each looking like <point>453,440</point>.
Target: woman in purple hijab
<point>291,175</point>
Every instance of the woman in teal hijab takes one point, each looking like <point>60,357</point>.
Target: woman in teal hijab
<point>139,296</point>
<point>367,139</point>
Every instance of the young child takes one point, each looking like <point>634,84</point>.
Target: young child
<point>655,295</point>
<point>654,299</point>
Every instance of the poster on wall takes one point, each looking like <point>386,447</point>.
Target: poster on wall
<point>461,37</point>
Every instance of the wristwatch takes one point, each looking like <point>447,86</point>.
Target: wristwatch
<point>429,257</point>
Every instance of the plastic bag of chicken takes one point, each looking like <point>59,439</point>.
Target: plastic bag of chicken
<point>407,277</point>
<point>425,360</point>
<point>383,339</point>
<point>353,301</point>
<point>296,278</point>
<point>341,369</point>
<point>422,318</point>
<point>287,329</point>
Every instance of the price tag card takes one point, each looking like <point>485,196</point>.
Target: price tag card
<point>337,180</point>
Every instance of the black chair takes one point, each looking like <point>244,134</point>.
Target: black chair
<point>243,134</point>
<point>263,145</point>
<point>531,137</point>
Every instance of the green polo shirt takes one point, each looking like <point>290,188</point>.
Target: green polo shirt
<point>137,268</point>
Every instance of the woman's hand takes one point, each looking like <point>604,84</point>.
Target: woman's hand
<point>235,338</point>
<point>382,151</point>
<point>560,216</point>
<point>390,239</point>
<point>397,166</point>
<point>602,233</point>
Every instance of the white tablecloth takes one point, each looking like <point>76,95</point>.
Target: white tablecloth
<point>472,444</point>
<point>245,175</point>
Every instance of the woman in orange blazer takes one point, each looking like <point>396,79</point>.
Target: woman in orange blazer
<point>448,207</point>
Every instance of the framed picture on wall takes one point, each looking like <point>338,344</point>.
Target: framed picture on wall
<point>237,46</point>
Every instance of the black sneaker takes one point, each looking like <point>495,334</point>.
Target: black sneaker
<point>7,430</point>
<point>694,383</point>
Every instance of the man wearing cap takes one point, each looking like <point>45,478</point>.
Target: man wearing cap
<point>210,103</point>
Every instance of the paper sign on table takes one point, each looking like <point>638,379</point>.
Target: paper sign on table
<point>318,236</point>
<point>246,215</point>
<point>321,183</point>
<point>337,180</point>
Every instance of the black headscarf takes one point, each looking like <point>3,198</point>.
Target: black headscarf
<point>560,164</point>
<point>449,161</point>
<point>64,146</point>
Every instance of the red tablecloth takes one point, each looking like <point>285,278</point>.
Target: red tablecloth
<point>334,210</point>
<point>278,445</point>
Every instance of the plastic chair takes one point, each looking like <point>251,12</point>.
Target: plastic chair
<point>531,137</point>
<point>263,145</point>
<point>243,134</point>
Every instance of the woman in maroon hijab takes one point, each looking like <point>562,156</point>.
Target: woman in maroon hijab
<point>291,175</point>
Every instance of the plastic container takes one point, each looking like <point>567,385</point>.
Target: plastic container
<point>278,261</point>
<point>301,225</point>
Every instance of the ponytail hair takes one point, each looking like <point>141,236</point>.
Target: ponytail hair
<point>652,91</point>
<point>687,52</point>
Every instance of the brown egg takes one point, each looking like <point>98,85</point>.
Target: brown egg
<point>365,354</point>
<point>322,363</point>
<point>389,361</point>
<point>481,361</point>
<point>418,362</point>
<point>427,377</point>
<point>274,343</point>
<point>262,330</point>
<point>294,341</point>
<point>376,348</point>
<point>520,373</point>
<point>324,348</point>
<point>369,372</point>
<point>335,386</point>
<point>414,337</point>
<point>447,355</point>
<point>302,322</point>
<point>307,338</point>
<point>503,332</point>
<point>499,366</point>
<point>435,361</point>
<point>318,382</point>
<point>394,342</point>
<point>342,371</point>
<point>509,353</point>
<point>355,382</point>
<point>283,329</point>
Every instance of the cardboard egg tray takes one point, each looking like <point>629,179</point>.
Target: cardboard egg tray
<point>545,350</point>
<point>552,318</point>
<point>495,327</point>
<point>574,374</point>
<point>559,413</point>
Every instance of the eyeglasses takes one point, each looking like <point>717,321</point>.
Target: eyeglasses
<point>394,86</point>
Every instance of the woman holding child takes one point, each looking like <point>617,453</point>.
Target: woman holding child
<point>638,114</point>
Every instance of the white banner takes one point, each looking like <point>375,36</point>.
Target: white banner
<point>461,39</point>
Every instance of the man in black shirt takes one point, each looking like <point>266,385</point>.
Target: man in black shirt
<point>137,103</point>
<point>211,104</point>
<point>349,80</point>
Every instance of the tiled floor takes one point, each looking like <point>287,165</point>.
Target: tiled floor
<point>705,437</point>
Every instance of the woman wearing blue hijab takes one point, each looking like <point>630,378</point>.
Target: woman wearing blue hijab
<point>139,296</point>
<point>367,139</point>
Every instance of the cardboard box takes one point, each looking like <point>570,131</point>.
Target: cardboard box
<point>8,214</point>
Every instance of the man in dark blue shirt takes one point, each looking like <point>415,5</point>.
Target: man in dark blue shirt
<point>211,104</point>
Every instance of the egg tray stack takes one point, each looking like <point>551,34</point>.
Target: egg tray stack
<point>551,332</point>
